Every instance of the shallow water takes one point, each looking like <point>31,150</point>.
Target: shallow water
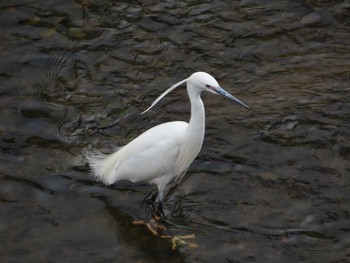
<point>270,185</point>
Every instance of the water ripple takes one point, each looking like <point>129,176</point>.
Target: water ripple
<point>269,185</point>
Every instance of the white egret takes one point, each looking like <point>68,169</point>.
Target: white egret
<point>164,152</point>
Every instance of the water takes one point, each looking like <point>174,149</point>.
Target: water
<point>270,184</point>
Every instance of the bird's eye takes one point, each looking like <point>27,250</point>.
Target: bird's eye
<point>208,86</point>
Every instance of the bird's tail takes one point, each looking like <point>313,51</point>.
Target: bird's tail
<point>100,164</point>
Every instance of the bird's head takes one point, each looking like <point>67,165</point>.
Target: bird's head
<point>202,82</point>
<point>205,82</point>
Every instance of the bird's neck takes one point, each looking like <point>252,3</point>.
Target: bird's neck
<point>197,122</point>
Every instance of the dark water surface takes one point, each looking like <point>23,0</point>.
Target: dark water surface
<point>270,185</point>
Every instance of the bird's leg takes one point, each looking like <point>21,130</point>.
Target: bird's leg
<point>151,200</point>
<point>159,210</point>
<point>156,205</point>
<point>155,201</point>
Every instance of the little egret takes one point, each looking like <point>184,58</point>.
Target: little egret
<point>165,151</point>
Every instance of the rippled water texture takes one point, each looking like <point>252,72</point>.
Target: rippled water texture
<point>270,185</point>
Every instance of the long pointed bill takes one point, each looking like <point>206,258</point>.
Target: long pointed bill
<point>165,93</point>
<point>224,93</point>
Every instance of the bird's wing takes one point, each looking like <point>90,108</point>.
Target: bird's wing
<point>153,154</point>
<point>147,164</point>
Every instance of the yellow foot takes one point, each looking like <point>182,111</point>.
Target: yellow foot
<point>153,226</point>
<point>181,240</point>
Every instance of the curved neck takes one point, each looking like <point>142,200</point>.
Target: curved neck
<point>197,121</point>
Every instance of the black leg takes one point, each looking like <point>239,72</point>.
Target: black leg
<point>150,200</point>
<point>156,205</point>
<point>159,211</point>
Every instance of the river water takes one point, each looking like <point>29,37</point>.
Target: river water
<point>270,185</point>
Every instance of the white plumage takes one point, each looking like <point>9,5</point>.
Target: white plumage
<point>165,151</point>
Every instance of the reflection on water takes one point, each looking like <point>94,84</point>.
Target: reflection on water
<point>270,185</point>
